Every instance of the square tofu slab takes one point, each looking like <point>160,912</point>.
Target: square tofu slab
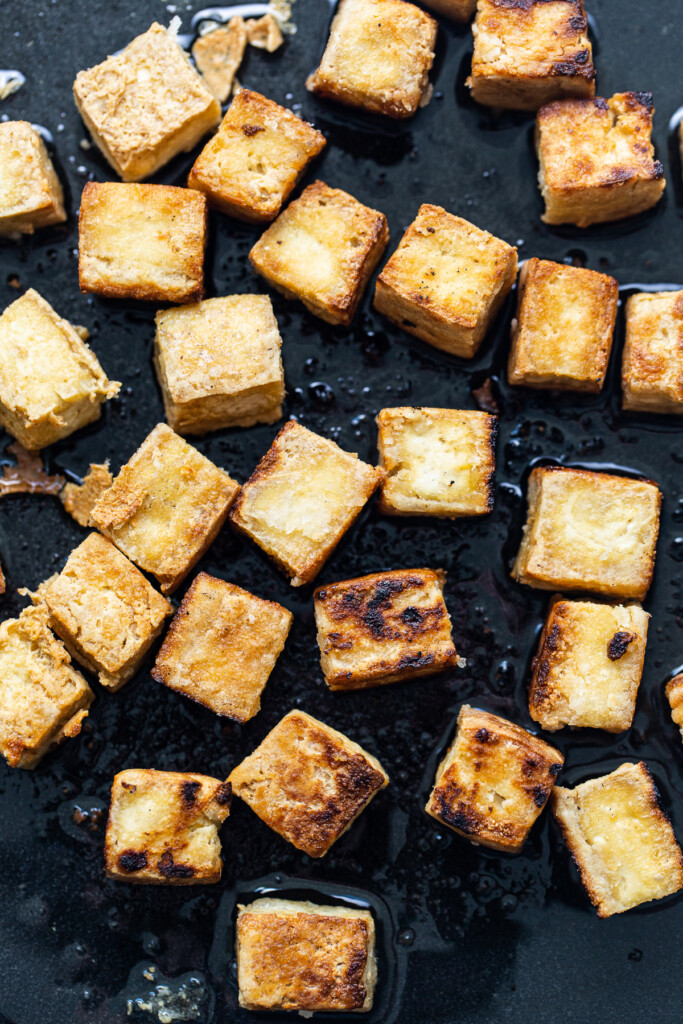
<point>165,507</point>
<point>308,782</point>
<point>322,250</point>
<point>43,700</point>
<point>494,781</point>
<point>30,192</point>
<point>588,666</point>
<point>597,159</point>
<point>163,827</point>
<point>446,281</point>
<point>652,367</point>
<point>255,159</point>
<point>296,955</point>
<point>620,839</point>
<point>145,105</point>
<point>142,242</point>
<point>589,531</point>
<point>674,694</point>
<point>219,364</point>
<point>51,383</point>
<point>301,499</point>
<point>562,331</point>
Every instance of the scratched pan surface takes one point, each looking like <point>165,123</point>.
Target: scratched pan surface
<point>465,935</point>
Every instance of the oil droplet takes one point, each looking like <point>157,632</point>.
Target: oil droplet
<point>636,955</point>
<point>406,937</point>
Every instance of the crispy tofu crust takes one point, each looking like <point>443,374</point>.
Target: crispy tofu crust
<point>219,54</point>
<point>80,499</point>
<point>30,192</point>
<point>652,367</point>
<point>621,840</point>
<point>455,10</point>
<point>494,780</point>
<point>163,827</point>
<point>589,531</point>
<point>674,695</point>
<point>308,782</point>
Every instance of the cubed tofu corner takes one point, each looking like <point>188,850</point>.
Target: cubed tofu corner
<point>31,194</point>
<point>652,367</point>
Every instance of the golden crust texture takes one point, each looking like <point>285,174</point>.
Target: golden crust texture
<point>30,192</point>
<point>80,499</point>
<point>652,367</point>
<point>455,10</point>
<point>674,695</point>
<point>218,55</point>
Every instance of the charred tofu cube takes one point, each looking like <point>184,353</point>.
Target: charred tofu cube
<point>142,242</point>
<point>652,367</point>
<point>589,531</point>
<point>219,364</point>
<point>322,250</point>
<point>255,159</point>
<point>301,499</point>
<point>165,507</point>
<point>446,281</point>
<point>145,105</point>
<point>30,192</point>
<point>455,10</point>
<point>562,332</point>
<point>597,159</point>
<point>163,827</point>
<point>494,781</point>
<point>308,782</point>
<point>620,839</point>
<point>51,383</point>
<point>674,694</point>
<point>296,955</point>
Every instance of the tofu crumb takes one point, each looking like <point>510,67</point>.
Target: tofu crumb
<point>264,33</point>
<point>10,82</point>
<point>218,55</point>
<point>80,499</point>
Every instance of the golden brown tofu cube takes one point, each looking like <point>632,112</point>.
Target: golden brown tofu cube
<point>51,383</point>
<point>588,666</point>
<point>620,839</point>
<point>308,782</point>
<point>80,499</point>
<point>43,700</point>
<point>145,105</point>
<point>301,499</point>
<point>455,10</point>
<point>255,159</point>
<point>446,281</point>
<point>674,694</point>
<point>142,242</point>
<point>439,462</point>
<point>589,531</point>
<point>322,250</point>
<point>494,780</point>
<point>597,159</point>
<point>219,364</point>
<point>296,955</point>
<point>163,827</point>
<point>218,55</point>
<point>30,192</point>
<point>652,367</point>
<point>165,507</point>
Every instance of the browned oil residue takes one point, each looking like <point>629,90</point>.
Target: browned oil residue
<point>485,397</point>
<point>28,476</point>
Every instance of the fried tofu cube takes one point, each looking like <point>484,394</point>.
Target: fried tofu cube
<point>589,531</point>
<point>43,699</point>
<point>30,192</point>
<point>51,382</point>
<point>674,694</point>
<point>620,839</point>
<point>165,507</point>
<point>301,499</point>
<point>145,105</point>
<point>297,955</point>
<point>494,781</point>
<point>255,159</point>
<point>322,250</point>
<point>219,364</point>
<point>308,782</point>
<point>446,281</point>
<point>652,367</point>
<point>597,159</point>
<point>163,827</point>
<point>455,10</point>
<point>142,242</point>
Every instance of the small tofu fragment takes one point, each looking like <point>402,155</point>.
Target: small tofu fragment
<point>652,367</point>
<point>80,499</point>
<point>219,54</point>
<point>446,281</point>
<point>621,840</point>
<point>674,695</point>
<point>454,10</point>
<point>264,33</point>
<point>30,192</point>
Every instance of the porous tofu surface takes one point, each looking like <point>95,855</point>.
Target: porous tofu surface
<point>562,332</point>
<point>589,531</point>
<point>308,782</point>
<point>377,57</point>
<point>674,695</point>
<point>455,10</point>
<point>303,496</point>
<point>494,780</point>
<point>620,839</point>
<point>43,699</point>
<point>446,281</point>
<point>652,367</point>
<point>166,506</point>
<point>322,250</point>
<point>142,242</point>
<point>222,646</point>
<point>439,462</point>
<point>588,666</point>
<point>145,105</point>
<point>383,628</point>
<point>297,955</point>
<point>30,192</point>
<point>163,827</point>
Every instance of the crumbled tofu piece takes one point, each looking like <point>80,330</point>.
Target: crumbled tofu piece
<point>80,499</point>
<point>218,55</point>
<point>454,10</point>
<point>652,367</point>
<point>30,192</point>
<point>674,694</point>
<point>264,33</point>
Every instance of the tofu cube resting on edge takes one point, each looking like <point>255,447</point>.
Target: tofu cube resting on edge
<point>30,192</point>
<point>674,694</point>
<point>652,367</point>
<point>621,840</point>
